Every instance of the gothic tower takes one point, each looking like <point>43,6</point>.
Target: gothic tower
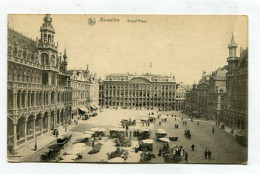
<point>232,59</point>
<point>47,52</point>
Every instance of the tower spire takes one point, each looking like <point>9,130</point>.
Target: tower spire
<point>232,39</point>
<point>65,53</point>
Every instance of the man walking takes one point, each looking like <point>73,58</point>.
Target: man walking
<point>206,154</point>
<point>209,155</point>
<point>192,147</point>
<point>213,130</point>
<point>186,157</point>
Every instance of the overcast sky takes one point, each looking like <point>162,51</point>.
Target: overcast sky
<point>183,46</point>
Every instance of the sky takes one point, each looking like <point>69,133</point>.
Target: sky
<point>179,45</point>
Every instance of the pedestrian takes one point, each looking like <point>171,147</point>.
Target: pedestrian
<point>160,123</point>
<point>172,115</point>
<point>186,157</point>
<point>209,155</point>
<point>192,147</point>
<point>93,142</point>
<point>183,152</point>
<point>130,134</point>
<point>160,152</point>
<point>213,130</point>
<point>206,154</point>
<point>57,133</point>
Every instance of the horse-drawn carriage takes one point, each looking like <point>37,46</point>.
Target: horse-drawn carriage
<point>54,149</point>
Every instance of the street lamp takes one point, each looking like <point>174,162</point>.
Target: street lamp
<point>35,145</point>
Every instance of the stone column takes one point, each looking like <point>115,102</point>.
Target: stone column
<point>34,99</point>
<point>15,99</point>
<point>25,130</point>
<point>48,122</point>
<point>34,128</point>
<point>14,150</point>
<point>20,97</point>
<point>26,99</point>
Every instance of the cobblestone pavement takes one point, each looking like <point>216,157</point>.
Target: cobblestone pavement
<point>222,145</point>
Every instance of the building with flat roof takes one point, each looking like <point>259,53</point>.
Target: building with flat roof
<point>147,91</point>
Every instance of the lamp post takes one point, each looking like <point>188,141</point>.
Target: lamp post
<point>35,145</point>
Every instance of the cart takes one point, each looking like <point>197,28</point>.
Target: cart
<point>116,132</point>
<point>146,145</point>
<point>160,133</point>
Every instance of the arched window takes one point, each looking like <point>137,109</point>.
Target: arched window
<point>19,75</point>
<point>52,97</point>
<point>53,60</point>
<point>44,59</point>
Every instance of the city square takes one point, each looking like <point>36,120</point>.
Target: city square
<point>221,143</point>
<point>95,99</point>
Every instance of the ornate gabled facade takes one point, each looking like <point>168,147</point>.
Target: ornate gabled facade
<point>202,89</point>
<point>236,110</point>
<point>39,91</point>
<point>191,103</point>
<point>216,94</point>
<point>139,91</point>
<point>180,96</point>
<point>80,83</point>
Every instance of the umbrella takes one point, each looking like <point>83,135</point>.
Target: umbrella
<point>116,160</point>
<point>145,129</point>
<point>161,131</point>
<point>165,140</point>
<point>147,141</point>
<point>89,132</point>
<point>94,129</point>
<point>118,129</point>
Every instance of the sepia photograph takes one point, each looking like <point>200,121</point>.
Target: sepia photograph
<point>127,89</point>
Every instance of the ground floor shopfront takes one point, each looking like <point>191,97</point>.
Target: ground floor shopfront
<point>26,125</point>
<point>236,121</point>
<point>141,103</point>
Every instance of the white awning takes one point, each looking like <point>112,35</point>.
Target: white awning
<point>97,106</point>
<point>84,109</point>
<point>93,106</point>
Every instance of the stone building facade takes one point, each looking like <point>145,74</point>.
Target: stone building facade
<point>39,91</point>
<point>202,95</point>
<point>191,103</point>
<point>180,96</point>
<point>236,110</point>
<point>217,94</point>
<point>80,84</point>
<point>139,91</point>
